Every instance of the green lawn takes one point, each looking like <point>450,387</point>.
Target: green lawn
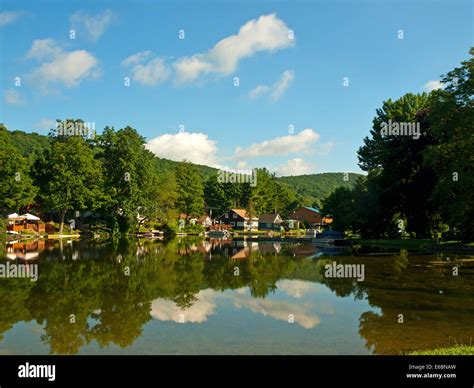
<point>412,243</point>
<point>405,243</point>
<point>457,350</point>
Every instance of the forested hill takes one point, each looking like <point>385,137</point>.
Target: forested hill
<point>316,187</point>
<point>164,165</point>
<point>311,188</point>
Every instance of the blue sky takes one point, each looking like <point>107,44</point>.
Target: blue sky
<point>189,82</point>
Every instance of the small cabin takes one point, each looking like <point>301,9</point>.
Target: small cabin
<point>18,223</point>
<point>270,221</point>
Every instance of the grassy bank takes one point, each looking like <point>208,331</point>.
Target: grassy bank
<point>401,243</point>
<point>416,244</point>
<point>457,350</point>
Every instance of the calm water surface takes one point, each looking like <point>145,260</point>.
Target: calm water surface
<point>230,297</point>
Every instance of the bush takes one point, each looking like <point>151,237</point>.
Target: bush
<point>195,229</point>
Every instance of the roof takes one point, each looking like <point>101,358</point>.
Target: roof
<point>241,212</point>
<point>26,216</point>
<point>313,209</point>
<point>268,217</point>
<point>31,217</point>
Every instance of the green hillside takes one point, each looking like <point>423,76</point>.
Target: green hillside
<point>164,165</point>
<point>30,144</point>
<point>311,189</point>
<point>316,187</point>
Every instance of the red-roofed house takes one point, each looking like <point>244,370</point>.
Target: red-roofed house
<point>239,219</point>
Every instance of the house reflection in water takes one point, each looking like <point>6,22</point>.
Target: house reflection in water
<point>242,249</point>
<point>18,250</point>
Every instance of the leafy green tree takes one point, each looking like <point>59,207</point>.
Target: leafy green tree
<point>190,190</point>
<point>130,177</point>
<point>264,194</point>
<point>69,177</point>
<point>342,206</point>
<point>402,181</point>
<point>452,156</point>
<point>17,187</point>
<point>216,197</point>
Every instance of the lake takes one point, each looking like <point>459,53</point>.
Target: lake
<point>192,296</point>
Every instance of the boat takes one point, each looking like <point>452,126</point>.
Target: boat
<point>331,239</point>
<point>218,233</point>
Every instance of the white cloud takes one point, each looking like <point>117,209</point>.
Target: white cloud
<point>68,68</point>
<point>195,147</point>
<point>93,26</point>
<point>433,85</point>
<point>13,97</point>
<point>325,148</point>
<point>43,49</point>
<point>45,124</point>
<point>279,310</point>
<point>8,17</point>
<point>279,146</point>
<point>147,70</point>
<point>279,88</point>
<point>241,164</point>
<point>137,58</point>
<point>294,167</point>
<point>267,33</point>
<point>276,90</point>
<point>167,310</point>
<point>258,91</point>
<point>296,288</point>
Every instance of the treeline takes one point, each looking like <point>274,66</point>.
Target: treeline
<point>123,184</point>
<point>126,187</point>
<point>314,188</point>
<point>418,187</point>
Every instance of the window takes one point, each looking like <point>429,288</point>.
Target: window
<point>235,215</point>
<point>226,215</point>
<point>232,224</point>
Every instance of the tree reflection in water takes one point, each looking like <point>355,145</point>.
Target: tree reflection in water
<point>90,291</point>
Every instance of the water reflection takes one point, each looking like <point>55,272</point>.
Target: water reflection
<point>95,295</point>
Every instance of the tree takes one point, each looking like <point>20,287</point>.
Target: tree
<point>215,196</point>
<point>452,156</point>
<point>17,187</point>
<point>190,190</point>
<point>342,206</point>
<point>69,177</point>
<point>161,200</point>
<point>264,194</point>
<point>130,177</point>
<point>402,182</point>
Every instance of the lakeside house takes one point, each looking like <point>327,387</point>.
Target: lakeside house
<point>26,250</point>
<point>18,223</point>
<point>308,215</point>
<point>185,219</point>
<point>270,221</point>
<point>205,221</point>
<point>239,219</point>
